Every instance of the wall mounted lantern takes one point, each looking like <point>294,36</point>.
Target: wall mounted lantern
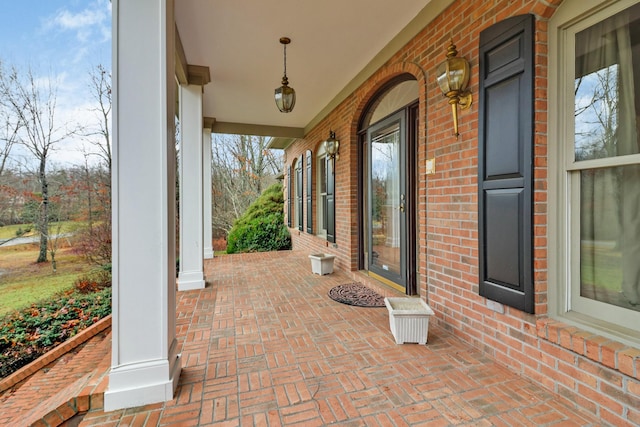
<point>285,95</point>
<point>332,147</point>
<point>453,77</point>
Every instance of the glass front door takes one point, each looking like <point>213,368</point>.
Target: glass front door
<point>386,203</point>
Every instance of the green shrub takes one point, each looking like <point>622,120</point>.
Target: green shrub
<point>259,235</point>
<point>27,334</point>
<point>261,228</point>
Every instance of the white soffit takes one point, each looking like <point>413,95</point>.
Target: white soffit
<point>332,41</point>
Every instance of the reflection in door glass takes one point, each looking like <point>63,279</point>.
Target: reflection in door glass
<point>385,199</point>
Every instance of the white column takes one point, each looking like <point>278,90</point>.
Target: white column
<point>191,202</point>
<point>206,179</point>
<point>145,364</point>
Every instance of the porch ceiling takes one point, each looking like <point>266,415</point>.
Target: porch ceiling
<point>333,44</point>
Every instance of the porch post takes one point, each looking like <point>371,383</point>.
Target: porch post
<point>145,364</point>
<point>191,274</point>
<point>206,178</point>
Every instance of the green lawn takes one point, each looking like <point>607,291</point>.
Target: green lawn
<point>23,281</point>
<point>9,231</point>
<point>601,267</point>
<point>19,294</point>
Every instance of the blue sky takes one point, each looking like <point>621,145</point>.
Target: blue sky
<point>62,34</point>
<point>61,39</point>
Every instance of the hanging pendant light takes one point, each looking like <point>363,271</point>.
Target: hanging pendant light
<point>285,95</point>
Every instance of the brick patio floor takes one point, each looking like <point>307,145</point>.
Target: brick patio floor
<point>263,345</point>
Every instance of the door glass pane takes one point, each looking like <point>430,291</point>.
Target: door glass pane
<point>385,199</point>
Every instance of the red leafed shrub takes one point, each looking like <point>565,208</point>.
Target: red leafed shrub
<point>93,281</point>
<point>27,334</point>
<point>95,243</point>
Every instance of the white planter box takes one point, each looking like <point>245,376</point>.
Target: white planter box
<point>322,263</point>
<point>409,319</point>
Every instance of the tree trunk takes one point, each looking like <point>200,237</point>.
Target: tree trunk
<point>44,212</point>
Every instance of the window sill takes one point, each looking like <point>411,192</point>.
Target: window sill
<point>610,353</point>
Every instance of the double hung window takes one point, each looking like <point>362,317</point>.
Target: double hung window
<point>321,191</point>
<point>596,166</point>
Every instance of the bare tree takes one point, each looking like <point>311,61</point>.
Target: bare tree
<point>8,131</point>
<point>32,101</point>
<point>242,166</point>
<point>8,137</point>
<point>94,242</point>
<point>596,114</point>
<point>100,88</point>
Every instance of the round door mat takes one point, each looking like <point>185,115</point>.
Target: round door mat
<point>356,294</point>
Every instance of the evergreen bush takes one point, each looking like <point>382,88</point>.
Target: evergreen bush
<point>261,228</point>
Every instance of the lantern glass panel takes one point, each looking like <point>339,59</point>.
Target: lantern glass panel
<point>453,75</point>
<point>285,98</point>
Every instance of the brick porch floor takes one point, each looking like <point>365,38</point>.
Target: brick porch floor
<point>263,345</point>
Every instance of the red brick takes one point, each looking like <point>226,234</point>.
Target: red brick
<point>609,353</point>
<point>67,410</point>
<point>53,418</point>
<point>599,398</point>
<point>634,388</point>
<point>626,361</point>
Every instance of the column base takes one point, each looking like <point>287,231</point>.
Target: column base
<point>208,253</point>
<point>189,281</point>
<point>142,383</point>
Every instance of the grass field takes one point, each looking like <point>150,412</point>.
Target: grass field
<point>23,281</point>
<point>9,231</point>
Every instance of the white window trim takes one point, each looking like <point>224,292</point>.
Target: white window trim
<point>563,259</point>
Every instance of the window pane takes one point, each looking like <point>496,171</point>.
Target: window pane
<point>323,175</point>
<point>610,235</point>
<point>324,212</point>
<point>398,97</point>
<point>605,87</point>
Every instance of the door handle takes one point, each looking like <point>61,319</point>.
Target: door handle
<point>401,207</point>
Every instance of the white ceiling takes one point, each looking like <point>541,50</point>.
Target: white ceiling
<point>331,42</point>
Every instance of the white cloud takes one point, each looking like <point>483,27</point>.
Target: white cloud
<point>79,21</point>
<point>92,19</point>
<point>90,26</point>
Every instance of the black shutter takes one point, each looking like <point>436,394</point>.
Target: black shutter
<point>309,194</point>
<point>289,197</point>
<point>299,199</point>
<point>331,204</point>
<point>505,157</point>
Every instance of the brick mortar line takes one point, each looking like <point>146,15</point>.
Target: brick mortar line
<point>546,327</point>
<point>55,353</point>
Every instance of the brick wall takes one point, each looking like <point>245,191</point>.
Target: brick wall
<point>598,374</point>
